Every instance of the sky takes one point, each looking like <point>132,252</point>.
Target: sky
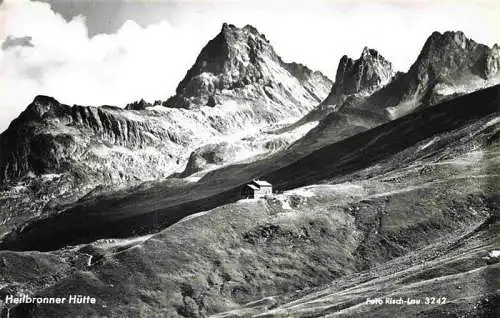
<point>96,52</point>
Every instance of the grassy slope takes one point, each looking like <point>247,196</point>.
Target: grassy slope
<point>321,249</point>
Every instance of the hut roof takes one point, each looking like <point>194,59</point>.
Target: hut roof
<point>253,187</point>
<point>262,183</point>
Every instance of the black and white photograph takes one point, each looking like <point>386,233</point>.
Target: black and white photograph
<point>249,158</point>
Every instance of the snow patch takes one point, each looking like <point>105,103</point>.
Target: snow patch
<point>472,157</point>
<point>339,188</point>
<point>18,188</point>
<point>444,89</point>
<point>130,115</point>
<point>492,122</point>
<point>247,200</point>
<point>192,216</point>
<point>402,108</point>
<point>494,253</point>
<point>428,144</point>
<point>112,243</point>
<point>328,189</point>
<point>50,176</point>
<point>192,179</point>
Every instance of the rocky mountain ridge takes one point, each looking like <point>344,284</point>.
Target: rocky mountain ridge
<point>86,148</point>
<point>260,106</point>
<point>449,64</point>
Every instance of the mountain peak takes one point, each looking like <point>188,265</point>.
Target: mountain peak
<point>231,28</point>
<point>44,99</point>
<point>449,40</point>
<point>42,104</point>
<point>457,36</point>
<point>228,60</point>
<point>450,54</point>
<point>367,52</point>
<point>365,74</point>
<point>40,108</point>
<point>449,64</point>
<point>226,26</point>
<point>235,59</point>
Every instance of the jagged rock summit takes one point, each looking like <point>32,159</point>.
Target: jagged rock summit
<point>451,52</point>
<point>364,75</point>
<point>241,62</point>
<point>449,65</point>
<point>354,81</point>
<point>41,105</point>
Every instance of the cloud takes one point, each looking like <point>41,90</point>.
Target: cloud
<point>62,61</point>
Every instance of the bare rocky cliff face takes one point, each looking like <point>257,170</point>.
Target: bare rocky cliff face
<point>49,137</point>
<point>362,76</point>
<point>237,87</point>
<point>354,81</point>
<point>241,63</point>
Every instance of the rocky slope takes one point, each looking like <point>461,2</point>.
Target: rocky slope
<point>80,149</point>
<point>415,217</point>
<point>151,207</point>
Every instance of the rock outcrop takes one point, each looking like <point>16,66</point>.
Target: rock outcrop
<point>49,137</point>
<point>364,75</point>
<point>453,54</point>
<point>211,155</point>
<point>138,105</point>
